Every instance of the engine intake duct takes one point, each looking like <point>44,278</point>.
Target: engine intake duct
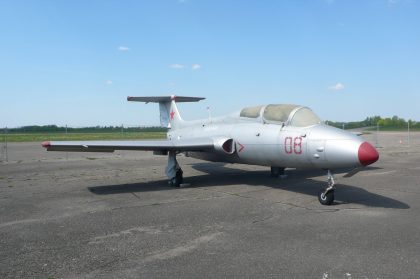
<point>224,145</point>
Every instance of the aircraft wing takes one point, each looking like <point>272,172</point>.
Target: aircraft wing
<point>196,144</point>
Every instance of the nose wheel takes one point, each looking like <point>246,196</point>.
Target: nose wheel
<point>326,196</point>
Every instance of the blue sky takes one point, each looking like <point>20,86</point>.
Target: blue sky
<point>75,62</point>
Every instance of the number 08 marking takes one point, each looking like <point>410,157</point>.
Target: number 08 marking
<point>293,145</point>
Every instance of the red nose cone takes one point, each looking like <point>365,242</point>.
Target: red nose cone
<point>46,144</point>
<point>367,154</point>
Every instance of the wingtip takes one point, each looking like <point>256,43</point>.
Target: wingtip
<point>46,144</point>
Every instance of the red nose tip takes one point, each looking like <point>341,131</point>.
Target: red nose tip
<point>46,144</point>
<point>367,154</point>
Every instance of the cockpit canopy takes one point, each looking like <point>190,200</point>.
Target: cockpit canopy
<point>284,114</point>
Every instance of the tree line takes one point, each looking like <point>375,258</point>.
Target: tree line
<point>388,123</point>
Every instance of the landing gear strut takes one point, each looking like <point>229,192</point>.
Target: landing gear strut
<point>276,172</point>
<point>173,170</point>
<point>326,197</point>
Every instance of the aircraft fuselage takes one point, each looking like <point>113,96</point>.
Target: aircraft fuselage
<point>317,146</point>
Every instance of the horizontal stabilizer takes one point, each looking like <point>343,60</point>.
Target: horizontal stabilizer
<point>165,99</point>
<point>169,114</point>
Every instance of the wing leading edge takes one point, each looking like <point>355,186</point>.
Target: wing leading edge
<point>197,144</point>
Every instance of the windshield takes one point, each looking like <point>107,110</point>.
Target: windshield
<point>304,117</point>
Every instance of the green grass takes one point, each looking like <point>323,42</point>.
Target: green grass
<point>40,137</point>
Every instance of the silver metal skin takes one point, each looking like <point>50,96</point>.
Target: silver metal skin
<point>277,136</point>
<point>256,143</point>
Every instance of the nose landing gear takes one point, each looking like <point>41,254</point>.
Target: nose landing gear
<point>326,197</point>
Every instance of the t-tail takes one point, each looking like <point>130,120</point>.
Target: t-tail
<point>169,114</point>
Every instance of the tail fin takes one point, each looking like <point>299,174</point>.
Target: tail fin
<point>169,114</point>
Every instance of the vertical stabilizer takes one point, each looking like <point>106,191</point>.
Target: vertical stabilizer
<point>169,113</point>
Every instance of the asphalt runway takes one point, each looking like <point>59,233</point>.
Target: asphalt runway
<point>91,215</point>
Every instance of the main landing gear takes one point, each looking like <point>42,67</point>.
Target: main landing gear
<point>174,171</point>
<point>276,172</point>
<point>326,196</point>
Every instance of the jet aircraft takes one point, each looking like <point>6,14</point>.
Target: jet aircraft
<point>277,135</point>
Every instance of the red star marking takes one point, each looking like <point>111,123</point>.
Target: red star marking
<point>241,147</point>
<point>172,115</point>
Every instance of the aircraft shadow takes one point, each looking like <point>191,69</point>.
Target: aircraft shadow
<point>214,168</point>
<point>297,181</point>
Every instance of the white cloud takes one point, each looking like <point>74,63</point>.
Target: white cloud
<point>337,86</point>
<point>177,66</point>
<point>195,67</point>
<point>398,2</point>
<point>108,82</point>
<point>123,48</point>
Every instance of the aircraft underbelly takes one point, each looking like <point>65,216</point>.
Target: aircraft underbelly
<point>214,157</point>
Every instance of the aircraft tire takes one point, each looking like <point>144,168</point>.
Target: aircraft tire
<point>275,172</point>
<point>174,182</point>
<point>326,199</point>
<point>177,180</point>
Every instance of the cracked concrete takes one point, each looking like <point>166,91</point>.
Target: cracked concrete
<point>114,215</point>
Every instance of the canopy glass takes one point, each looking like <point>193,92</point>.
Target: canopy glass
<point>292,115</point>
